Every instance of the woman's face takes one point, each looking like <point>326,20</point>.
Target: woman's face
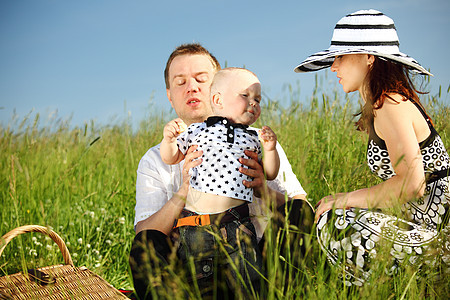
<point>352,69</point>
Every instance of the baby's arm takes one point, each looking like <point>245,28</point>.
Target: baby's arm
<point>271,160</point>
<point>170,154</point>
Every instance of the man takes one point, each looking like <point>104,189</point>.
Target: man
<point>161,189</point>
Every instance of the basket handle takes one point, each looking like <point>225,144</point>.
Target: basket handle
<point>36,228</point>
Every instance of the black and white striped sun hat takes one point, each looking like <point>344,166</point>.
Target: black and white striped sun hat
<point>366,32</point>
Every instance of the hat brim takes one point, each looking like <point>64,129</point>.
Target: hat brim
<point>324,59</point>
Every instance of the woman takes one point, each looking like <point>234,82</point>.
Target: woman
<point>404,150</point>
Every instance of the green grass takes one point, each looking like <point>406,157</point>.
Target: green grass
<point>81,183</point>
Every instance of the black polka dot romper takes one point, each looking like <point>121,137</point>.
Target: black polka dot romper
<point>350,236</point>
<point>222,143</point>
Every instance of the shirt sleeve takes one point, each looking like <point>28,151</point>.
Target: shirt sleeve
<point>156,183</point>
<point>286,181</point>
<point>182,141</point>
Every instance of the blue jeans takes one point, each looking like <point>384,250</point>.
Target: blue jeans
<point>228,250</point>
<point>214,262</point>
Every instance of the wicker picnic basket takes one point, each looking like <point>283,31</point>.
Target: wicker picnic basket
<point>54,282</point>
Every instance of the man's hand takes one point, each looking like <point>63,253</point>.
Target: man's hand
<point>192,159</point>
<point>254,170</point>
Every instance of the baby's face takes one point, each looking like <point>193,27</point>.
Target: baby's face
<point>242,97</point>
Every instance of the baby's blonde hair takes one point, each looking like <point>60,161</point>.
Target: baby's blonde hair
<point>223,74</point>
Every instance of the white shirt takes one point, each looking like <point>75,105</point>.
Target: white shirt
<point>157,182</point>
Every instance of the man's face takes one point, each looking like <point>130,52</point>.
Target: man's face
<point>190,79</point>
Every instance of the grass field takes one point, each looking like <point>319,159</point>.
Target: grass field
<point>81,183</point>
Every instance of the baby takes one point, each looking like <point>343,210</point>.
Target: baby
<point>216,184</point>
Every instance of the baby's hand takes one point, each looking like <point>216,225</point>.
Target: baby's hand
<point>174,128</point>
<point>268,138</point>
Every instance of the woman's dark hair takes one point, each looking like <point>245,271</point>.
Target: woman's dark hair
<point>385,77</point>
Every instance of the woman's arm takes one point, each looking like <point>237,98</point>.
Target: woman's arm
<point>395,123</point>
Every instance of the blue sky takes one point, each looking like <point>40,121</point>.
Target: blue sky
<point>103,60</point>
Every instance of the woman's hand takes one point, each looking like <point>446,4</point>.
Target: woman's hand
<point>330,202</point>
<point>254,170</point>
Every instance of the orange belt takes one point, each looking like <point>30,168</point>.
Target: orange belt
<point>197,220</point>
<point>235,213</point>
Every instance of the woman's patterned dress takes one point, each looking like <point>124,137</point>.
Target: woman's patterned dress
<point>352,237</point>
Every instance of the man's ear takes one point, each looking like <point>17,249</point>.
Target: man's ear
<point>169,97</point>
<point>217,100</point>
